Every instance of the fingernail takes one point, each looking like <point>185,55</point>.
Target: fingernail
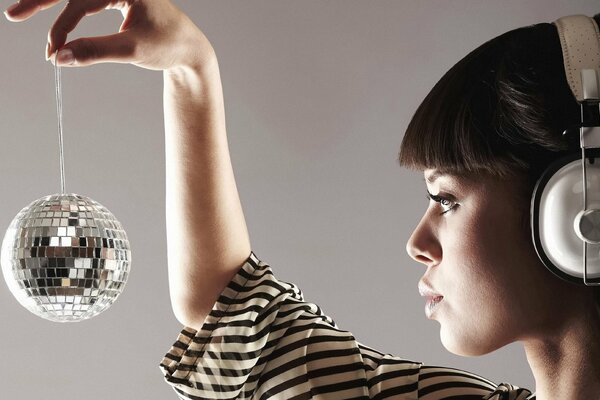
<point>65,56</point>
<point>47,51</point>
<point>11,9</point>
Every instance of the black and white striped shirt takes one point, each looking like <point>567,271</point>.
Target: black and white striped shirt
<point>263,341</point>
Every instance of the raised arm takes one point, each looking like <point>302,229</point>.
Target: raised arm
<point>206,231</point>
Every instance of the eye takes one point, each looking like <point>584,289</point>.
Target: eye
<point>446,201</point>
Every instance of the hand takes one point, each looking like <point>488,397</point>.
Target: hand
<point>154,34</point>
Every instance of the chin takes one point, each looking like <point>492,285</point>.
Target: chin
<point>467,345</point>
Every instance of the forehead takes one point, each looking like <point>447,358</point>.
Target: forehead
<point>432,175</point>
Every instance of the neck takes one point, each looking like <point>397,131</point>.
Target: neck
<point>565,360</point>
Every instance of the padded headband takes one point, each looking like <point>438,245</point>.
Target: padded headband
<point>580,41</point>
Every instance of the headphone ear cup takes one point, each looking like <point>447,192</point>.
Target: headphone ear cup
<point>557,200</point>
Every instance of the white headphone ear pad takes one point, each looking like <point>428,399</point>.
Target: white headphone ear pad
<point>557,200</point>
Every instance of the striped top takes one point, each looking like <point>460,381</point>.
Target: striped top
<point>263,341</point>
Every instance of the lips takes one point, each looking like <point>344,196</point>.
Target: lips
<point>433,298</point>
<point>431,304</point>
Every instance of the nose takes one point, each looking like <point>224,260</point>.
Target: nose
<point>423,245</point>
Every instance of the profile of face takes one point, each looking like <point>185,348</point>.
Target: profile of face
<point>484,283</point>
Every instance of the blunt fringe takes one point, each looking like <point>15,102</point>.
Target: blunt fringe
<point>502,109</point>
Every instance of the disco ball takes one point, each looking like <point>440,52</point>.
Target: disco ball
<point>65,258</point>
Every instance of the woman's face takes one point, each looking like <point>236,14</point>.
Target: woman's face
<point>475,242</point>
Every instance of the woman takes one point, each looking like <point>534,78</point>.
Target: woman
<point>249,335</point>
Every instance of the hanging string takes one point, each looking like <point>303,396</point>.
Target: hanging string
<point>59,111</point>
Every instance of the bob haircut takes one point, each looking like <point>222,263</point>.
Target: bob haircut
<point>502,109</point>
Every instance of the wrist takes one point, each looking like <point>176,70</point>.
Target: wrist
<point>195,76</point>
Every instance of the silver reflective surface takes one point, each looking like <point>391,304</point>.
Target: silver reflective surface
<point>65,258</point>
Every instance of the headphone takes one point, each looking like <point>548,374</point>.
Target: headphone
<point>565,212</point>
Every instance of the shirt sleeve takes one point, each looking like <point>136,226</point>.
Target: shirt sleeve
<point>262,340</point>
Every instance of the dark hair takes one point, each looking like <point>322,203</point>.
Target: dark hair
<point>501,110</point>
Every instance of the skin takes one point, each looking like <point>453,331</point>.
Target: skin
<point>480,257</point>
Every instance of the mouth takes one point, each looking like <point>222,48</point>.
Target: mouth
<point>433,298</point>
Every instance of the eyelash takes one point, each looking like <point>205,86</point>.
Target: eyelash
<point>441,200</point>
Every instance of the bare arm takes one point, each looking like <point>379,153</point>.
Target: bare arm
<point>206,231</point>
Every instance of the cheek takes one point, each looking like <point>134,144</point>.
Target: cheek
<point>496,243</point>
<point>500,256</point>
<point>478,282</point>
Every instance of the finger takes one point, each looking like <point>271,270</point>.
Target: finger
<point>26,8</point>
<point>68,19</point>
<point>118,48</point>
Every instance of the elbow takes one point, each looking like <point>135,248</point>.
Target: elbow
<point>189,315</point>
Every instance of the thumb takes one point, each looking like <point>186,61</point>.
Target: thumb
<point>117,48</point>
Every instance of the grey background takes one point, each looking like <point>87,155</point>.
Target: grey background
<point>318,95</point>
